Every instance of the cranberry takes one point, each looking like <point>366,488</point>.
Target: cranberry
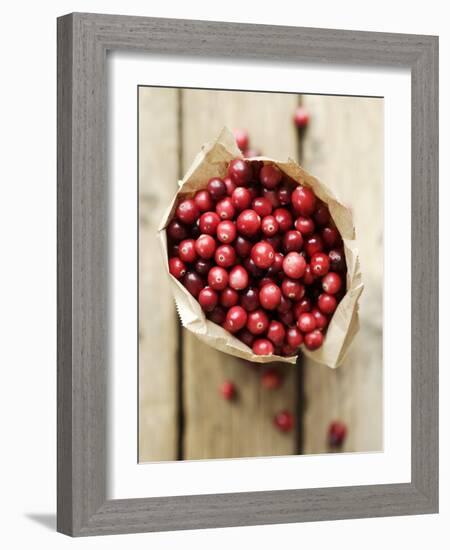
<point>287,350</point>
<point>292,289</point>
<point>177,267</point>
<point>254,191</point>
<point>270,176</point>
<point>205,246</point>
<point>284,421</point>
<point>303,200</point>
<point>337,260</point>
<point>313,340</point>
<point>218,278</point>
<point>208,223</point>
<point>225,255</point>
<point>275,241</point>
<point>321,319</point>
<point>239,171</point>
<point>248,223</point>
<point>246,336</point>
<point>327,303</point>
<point>320,264</point>
<point>177,231</point>
<point>217,315</point>
<point>331,283</point>
<point>277,265</point>
<point>230,185</point>
<point>270,296</point>
<point>238,278</point>
<point>229,297</point>
<point>271,379</point>
<point>187,211</point>
<point>202,266</point>
<point>285,305</point>
<point>263,254</point>
<point>241,198</point>
<point>226,231</point>
<point>337,433</point>
<point>294,337</point>
<point>294,265</point>
<point>301,117</point>
<point>241,137</point>
<point>257,322</point>
<point>313,244</point>
<point>292,241</point>
<point>195,231</point>
<point>287,318</point>
<point>217,188</point>
<point>303,306</point>
<point>276,333</point>
<point>236,319</point>
<point>187,250</point>
<point>208,298</point>
<point>284,194</point>
<point>203,200</point>
<point>242,246</point>
<point>266,281</point>
<point>262,346</point>
<point>304,225</point>
<point>322,214</point>
<point>193,282</point>
<point>308,277</point>
<point>331,237</point>
<point>225,209</point>
<point>262,206</point>
<point>249,299</point>
<point>228,390</point>
<point>269,226</point>
<point>306,322</point>
<point>272,196</point>
<point>252,268</point>
<point>284,219</point>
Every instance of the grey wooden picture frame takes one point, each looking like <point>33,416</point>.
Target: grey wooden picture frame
<point>83,42</point>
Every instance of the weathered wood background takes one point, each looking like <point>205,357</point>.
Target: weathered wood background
<point>181,414</point>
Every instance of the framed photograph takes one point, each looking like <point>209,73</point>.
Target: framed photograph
<point>247,274</point>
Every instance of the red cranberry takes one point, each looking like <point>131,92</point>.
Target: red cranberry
<point>256,166</point>
<point>226,231</point>
<point>270,176</point>
<point>284,421</point>
<point>304,225</point>
<point>337,260</point>
<point>262,206</point>
<point>177,268</point>
<point>292,289</point>
<point>277,265</point>
<point>217,188</point>
<point>228,390</point>
<point>322,214</point>
<point>187,250</point>
<point>262,346</point>
<point>287,318</point>
<point>301,117</point>
<point>257,322</point>
<point>271,379</point>
<point>266,281</point>
<point>302,306</point>
<point>320,264</point>
<point>303,200</point>
<point>246,336</point>
<point>236,318</point>
<point>308,277</point>
<point>292,241</point>
<point>285,305</point>
<point>242,246</point>
<point>337,433</point>
<point>287,350</point>
<point>217,315</point>
<point>205,246</point>
<point>331,283</point>
<point>321,319</point>
<point>230,185</point>
<point>248,223</point>
<point>331,237</point>
<point>229,297</point>
<point>270,296</point>
<point>241,137</point>
<point>177,231</point>
<point>284,194</point>
<point>284,219</point>
<point>276,333</point>
<point>203,200</point>
<point>272,196</point>
<point>202,266</point>
<point>225,255</point>
<point>269,226</point>
<point>225,209</point>
<point>249,299</point>
<point>195,231</point>
<point>187,211</point>
<point>294,337</point>
<point>193,282</point>
<point>208,298</point>
<point>252,268</point>
<point>239,171</point>
<point>208,223</point>
<point>306,322</point>
<point>263,254</point>
<point>294,265</point>
<point>238,278</point>
<point>218,278</point>
<point>327,303</point>
<point>313,244</point>
<point>254,191</point>
<point>313,340</point>
<point>275,241</point>
<point>241,198</point>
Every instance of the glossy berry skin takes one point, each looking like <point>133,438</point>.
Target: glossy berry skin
<point>302,306</point>
<point>246,336</point>
<point>177,268</point>
<point>236,319</point>
<point>217,315</point>
<point>208,298</point>
<point>272,196</point>
<point>292,289</point>
<point>337,432</point>
<point>203,200</point>
<point>187,211</point>
<point>322,214</point>
<point>285,305</point>
<point>217,188</point>
<point>287,350</point>
<point>284,421</point>
<point>306,226</point>
<point>271,379</point>
<point>252,268</point>
<point>294,265</point>
<point>241,198</point>
<point>292,241</point>
<point>270,296</point>
<point>287,318</point>
<point>331,237</point>
<point>226,231</point>
<point>240,172</point>
<point>263,254</point>
<point>321,319</point>
<point>248,223</point>
<point>306,322</point>
<point>276,333</point>
<point>277,264</point>
<point>208,223</point>
<point>331,283</point>
<point>229,297</point>
<point>294,337</point>
<point>308,277</point>
<point>327,303</point>
<point>313,244</point>
<point>193,282</point>
<point>313,340</point>
<point>262,346</point>
<point>275,241</point>
<point>303,200</point>
<point>230,185</point>
<point>284,194</point>
<point>187,251</point>
<point>205,246</point>
<point>228,390</point>
<point>177,231</point>
<point>301,118</point>
<point>225,209</point>
<point>257,322</point>
<point>284,219</point>
<point>320,264</point>
<point>249,299</point>
<point>202,266</point>
<point>238,278</point>
<point>241,137</point>
<point>225,255</point>
<point>269,226</point>
<point>270,176</point>
<point>218,278</point>
<point>242,246</point>
<point>262,206</point>
<point>337,260</point>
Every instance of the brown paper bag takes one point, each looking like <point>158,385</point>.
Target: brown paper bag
<point>212,161</point>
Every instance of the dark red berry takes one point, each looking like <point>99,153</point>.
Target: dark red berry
<point>308,277</point>
<point>337,260</point>
<point>208,223</point>
<point>292,241</point>
<point>331,283</point>
<point>236,319</point>
<point>208,298</point>
<point>337,433</point>
<point>277,265</point>
<point>228,390</point>
<point>241,137</point>
<point>249,299</point>
<point>331,237</point>
<point>217,315</point>
<point>230,185</point>
<point>225,255</point>
<point>292,289</point>
<point>294,265</point>
<point>262,346</point>
<point>240,172</point>
<point>177,231</point>
<point>303,200</point>
<point>193,282</point>
<point>327,303</point>
<point>314,339</point>
<point>225,209</point>
<point>287,350</point>
<point>294,337</point>
<point>187,250</point>
<point>218,278</point>
<point>257,322</point>
<point>313,244</point>
<point>252,268</point>
<point>284,194</point>
<point>229,297</point>
<point>238,278</point>
<point>248,223</point>
<point>284,219</point>
<point>305,225</point>
<point>202,266</point>
<point>226,231</point>
<point>306,322</point>
<point>271,379</point>
<point>285,305</point>
<point>322,214</point>
<point>203,200</point>
<point>187,211</point>
<point>276,333</point>
<point>284,421</point>
<point>321,319</point>
<point>217,188</point>
<point>303,306</point>
<point>246,337</point>
<point>272,196</point>
<point>241,198</point>
<point>242,246</point>
<point>320,264</point>
<point>270,296</point>
<point>270,176</point>
<point>263,254</point>
<point>301,117</point>
<point>262,206</point>
<point>205,246</point>
<point>287,318</point>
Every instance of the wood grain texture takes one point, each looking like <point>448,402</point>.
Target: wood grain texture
<point>158,322</point>
<point>343,146</point>
<point>215,428</point>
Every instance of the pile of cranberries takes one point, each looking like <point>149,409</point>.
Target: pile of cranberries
<point>262,256</point>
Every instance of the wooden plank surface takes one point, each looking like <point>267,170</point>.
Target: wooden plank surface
<point>343,146</point>
<point>214,428</point>
<point>158,323</point>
